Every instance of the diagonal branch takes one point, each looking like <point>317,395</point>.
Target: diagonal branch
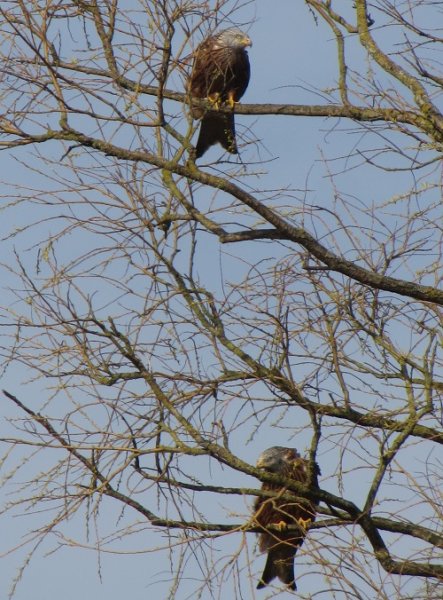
<point>289,232</point>
<point>367,523</point>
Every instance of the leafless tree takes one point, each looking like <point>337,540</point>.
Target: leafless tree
<point>174,318</point>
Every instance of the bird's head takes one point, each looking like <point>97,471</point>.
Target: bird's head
<point>277,458</point>
<point>232,38</point>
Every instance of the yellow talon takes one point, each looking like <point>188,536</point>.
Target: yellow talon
<point>281,525</point>
<point>231,101</point>
<point>304,522</point>
<point>214,99</point>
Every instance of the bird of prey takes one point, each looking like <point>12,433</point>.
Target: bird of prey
<point>282,545</point>
<point>220,74</point>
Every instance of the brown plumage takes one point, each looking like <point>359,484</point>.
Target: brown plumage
<point>282,545</point>
<point>220,74</point>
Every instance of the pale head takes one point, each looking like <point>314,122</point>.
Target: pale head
<point>276,459</point>
<point>232,38</point>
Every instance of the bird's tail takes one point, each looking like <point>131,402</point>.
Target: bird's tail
<point>280,563</point>
<point>216,128</point>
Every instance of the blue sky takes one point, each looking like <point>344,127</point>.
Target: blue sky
<point>293,61</point>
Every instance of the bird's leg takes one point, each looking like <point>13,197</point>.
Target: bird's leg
<point>231,101</point>
<point>214,99</point>
<point>304,522</point>
<point>281,525</point>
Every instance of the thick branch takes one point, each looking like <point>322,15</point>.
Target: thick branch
<point>287,231</point>
<point>356,515</point>
<point>347,111</point>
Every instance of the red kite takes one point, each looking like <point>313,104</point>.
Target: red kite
<point>282,545</point>
<point>220,74</point>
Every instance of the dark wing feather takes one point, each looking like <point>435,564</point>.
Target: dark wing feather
<point>225,72</point>
<point>282,545</point>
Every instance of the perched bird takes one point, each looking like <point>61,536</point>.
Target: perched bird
<point>220,74</point>
<point>282,545</point>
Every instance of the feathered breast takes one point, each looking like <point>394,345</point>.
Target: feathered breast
<point>219,70</point>
<point>273,511</point>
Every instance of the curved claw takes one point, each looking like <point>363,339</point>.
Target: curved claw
<point>304,522</point>
<point>214,99</point>
<point>231,101</point>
